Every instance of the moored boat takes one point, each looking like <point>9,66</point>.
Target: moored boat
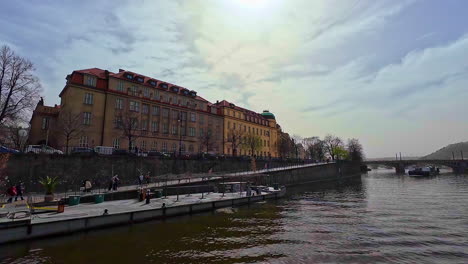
<point>425,171</point>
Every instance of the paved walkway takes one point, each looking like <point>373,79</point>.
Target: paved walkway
<point>174,180</point>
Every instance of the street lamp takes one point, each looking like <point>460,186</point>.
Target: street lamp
<point>180,134</point>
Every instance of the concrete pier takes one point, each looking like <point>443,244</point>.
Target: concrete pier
<point>92,216</point>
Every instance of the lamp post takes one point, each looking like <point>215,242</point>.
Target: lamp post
<point>180,134</point>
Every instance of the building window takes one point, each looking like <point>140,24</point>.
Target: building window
<point>133,90</point>
<point>155,110</point>
<point>118,122</point>
<point>118,103</point>
<point>156,95</point>
<point>90,80</point>
<point>144,109</point>
<point>193,117</point>
<point>165,128</point>
<point>164,147</point>
<point>175,115</point>
<point>174,147</point>
<point>143,145</point>
<point>165,112</point>
<point>87,118</point>
<point>201,119</point>
<point>154,126</point>
<point>45,123</point>
<point>184,116</point>
<point>174,130</point>
<point>201,132</point>
<point>88,98</point>
<point>116,143</point>
<point>146,92</point>
<point>83,141</point>
<point>134,123</point>
<point>182,147</point>
<point>191,131</point>
<point>144,125</point>
<point>134,106</point>
<point>154,146</point>
<point>120,86</point>
<point>183,131</point>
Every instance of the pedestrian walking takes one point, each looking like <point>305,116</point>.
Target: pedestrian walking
<point>11,191</point>
<point>115,182</point>
<point>19,191</point>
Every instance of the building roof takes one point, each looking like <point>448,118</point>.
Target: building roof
<point>225,103</point>
<point>100,73</point>
<point>146,79</point>
<point>268,115</point>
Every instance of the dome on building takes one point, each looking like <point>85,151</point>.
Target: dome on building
<point>268,115</point>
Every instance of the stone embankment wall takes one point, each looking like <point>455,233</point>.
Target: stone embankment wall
<point>72,170</point>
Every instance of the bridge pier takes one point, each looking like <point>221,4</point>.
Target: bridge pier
<point>400,168</point>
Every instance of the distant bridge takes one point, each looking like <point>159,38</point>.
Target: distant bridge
<point>458,166</point>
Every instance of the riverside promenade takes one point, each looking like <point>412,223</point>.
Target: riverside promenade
<point>21,225</point>
<point>174,180</point>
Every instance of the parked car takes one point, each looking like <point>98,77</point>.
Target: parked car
<point>8,150</point>
<point>82,150</point>
<point>119,152</point>
<point>42,149</point>
<point>104,150</point>
<point>154,153</point>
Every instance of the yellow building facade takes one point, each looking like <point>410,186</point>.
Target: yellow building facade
<point>160,116</point>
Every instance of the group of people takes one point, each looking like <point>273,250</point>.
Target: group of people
<point>15,191</point>
<point>144,178</point>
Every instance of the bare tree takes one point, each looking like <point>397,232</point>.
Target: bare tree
<point>315,147</point>
<point>332,143</point>
<point>18,86</point>
<point>355,150</point>
<point>70,126</point>
<point>251,142</point>
<point>17,136</point>
<point>234,139</point>
<point>207,140</point>
<point>128,122</point>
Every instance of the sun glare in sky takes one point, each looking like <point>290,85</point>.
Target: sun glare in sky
<point>253,3</point>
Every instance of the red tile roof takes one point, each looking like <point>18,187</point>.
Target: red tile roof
<point>225,103</point>
<point>100,73</point>
<point>121,73</point>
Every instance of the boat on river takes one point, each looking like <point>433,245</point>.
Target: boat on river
<point>424,171</point>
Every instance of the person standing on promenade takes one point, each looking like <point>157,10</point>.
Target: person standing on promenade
<point>11,191</point>
<point>19,191</point>
<point>147,177</point>
<point>140,179</point>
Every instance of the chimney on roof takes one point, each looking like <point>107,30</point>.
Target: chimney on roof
<point>217,101</point>
<point>121,70</point>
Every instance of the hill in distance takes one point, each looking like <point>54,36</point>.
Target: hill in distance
<point>446,152</point>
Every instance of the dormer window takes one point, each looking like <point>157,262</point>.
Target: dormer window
<point>175,89</point>
<point>152,83</point>
<point>140,79</point>
<point>193,93</point>
<point>129,76</point>
<point>90,80</point>
<point>186,92</point>
<point>163,85</point>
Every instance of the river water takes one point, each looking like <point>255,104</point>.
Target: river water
<point>381,218</point>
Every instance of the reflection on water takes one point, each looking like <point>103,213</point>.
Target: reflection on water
<point>381,218</point>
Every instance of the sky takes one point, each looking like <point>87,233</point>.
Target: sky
<point>393,74</point>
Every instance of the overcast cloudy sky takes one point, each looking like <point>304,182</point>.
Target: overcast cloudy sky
<point>392,73</point>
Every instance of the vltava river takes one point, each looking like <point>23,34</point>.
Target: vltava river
<point>382,218</point>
